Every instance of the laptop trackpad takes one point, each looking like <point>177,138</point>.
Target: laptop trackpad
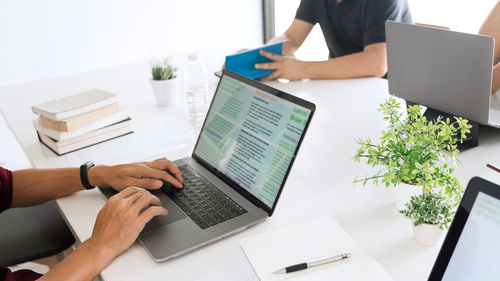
<point>174,213</point>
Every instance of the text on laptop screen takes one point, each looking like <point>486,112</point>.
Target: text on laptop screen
<point>476,254</point>
<point>251,136</point>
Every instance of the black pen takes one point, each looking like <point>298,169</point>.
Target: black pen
<point>493,167</point>
<point>306,265</point>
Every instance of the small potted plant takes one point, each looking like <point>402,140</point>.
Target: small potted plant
<point>414,150</point>
<point>164,82</point>
<point>431,213</point>
<point>414,153</point>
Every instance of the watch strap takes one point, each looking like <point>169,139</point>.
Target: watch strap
<point>84,176</point>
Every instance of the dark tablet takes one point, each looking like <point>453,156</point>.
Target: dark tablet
<point>471,250</point>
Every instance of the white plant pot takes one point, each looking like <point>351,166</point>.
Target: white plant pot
<point>166,91</point>
<point>427,234</point>
<point>402,194</point>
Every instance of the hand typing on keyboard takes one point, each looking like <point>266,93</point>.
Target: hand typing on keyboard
<point>148,175</point>
<point>168,188</point>
<point>204,203</point>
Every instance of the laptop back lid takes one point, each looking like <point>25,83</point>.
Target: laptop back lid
<point>251,136</point>
<point>445,70</point>
<point>472,245</point>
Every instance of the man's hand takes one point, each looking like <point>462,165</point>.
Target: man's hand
<point>285,67</point>
<point>120,221</point>
<point>117,226</point>
<point>143,174</point>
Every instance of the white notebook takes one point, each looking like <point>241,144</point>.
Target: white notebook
<point>73,105</point>
<point>307,242</point>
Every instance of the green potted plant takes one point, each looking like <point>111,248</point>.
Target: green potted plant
<point>164,82</point>
<point>415,155</point>
<point>431,213</point>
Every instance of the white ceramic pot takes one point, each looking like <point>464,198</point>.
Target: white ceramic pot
<point>427,234</point>
<point>402,194</point>
<point>166,91</point>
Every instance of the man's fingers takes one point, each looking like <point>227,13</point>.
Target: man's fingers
<point>134,197</point>
<point>150,213</point>
<point>270,65</point>
<point>269,55</point>
<point>275,75</point>
<point>144,201</point>
<point>265,78</point>
<point>272,76</point>
<point>126,192</point>
<point>167,177</point>
<point>146,183</point>
<point>145,171</point>
<point>174,170</point>
<point>165,164</point>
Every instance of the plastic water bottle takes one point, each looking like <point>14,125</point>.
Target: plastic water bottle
<point>196,86</point>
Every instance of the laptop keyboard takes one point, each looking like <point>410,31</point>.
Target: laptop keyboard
<point>205,204</point>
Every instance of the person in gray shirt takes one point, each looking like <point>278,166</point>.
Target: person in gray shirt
<point>354,31</point>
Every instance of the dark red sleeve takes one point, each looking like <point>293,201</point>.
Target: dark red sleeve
<point>5,201</point>
<point>5,189</point>
<point>20,275</point>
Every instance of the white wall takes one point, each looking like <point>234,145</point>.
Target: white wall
<point>314,48</point>
<point>47,38</point>
<point>459,15</point>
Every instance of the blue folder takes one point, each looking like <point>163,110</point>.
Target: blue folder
<point>243,63</point>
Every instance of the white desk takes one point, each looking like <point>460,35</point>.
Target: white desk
<point>320,182</point>
<point>14,158</point>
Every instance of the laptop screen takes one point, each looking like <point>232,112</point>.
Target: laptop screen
<point>476,253</point>
<point>251,136</point>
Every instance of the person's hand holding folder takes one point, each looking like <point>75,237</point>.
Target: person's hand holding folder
<point>286,67</point>
<point>243,63</point>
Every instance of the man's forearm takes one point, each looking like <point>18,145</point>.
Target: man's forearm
<point>36,186</point>
<point>351,66</point>
<point>289,48</point>
<point>117,227</point>
<point>84,264</point>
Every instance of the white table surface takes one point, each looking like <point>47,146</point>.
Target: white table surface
<point>319,184</point>
<point>13,157</point>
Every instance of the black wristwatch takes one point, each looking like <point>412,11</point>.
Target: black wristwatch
<point>84,176</point>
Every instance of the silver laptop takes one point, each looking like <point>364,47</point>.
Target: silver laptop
<point>445,70</point>
<point>237,171</point>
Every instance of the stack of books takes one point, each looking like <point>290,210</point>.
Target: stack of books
<point>81,120</point>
